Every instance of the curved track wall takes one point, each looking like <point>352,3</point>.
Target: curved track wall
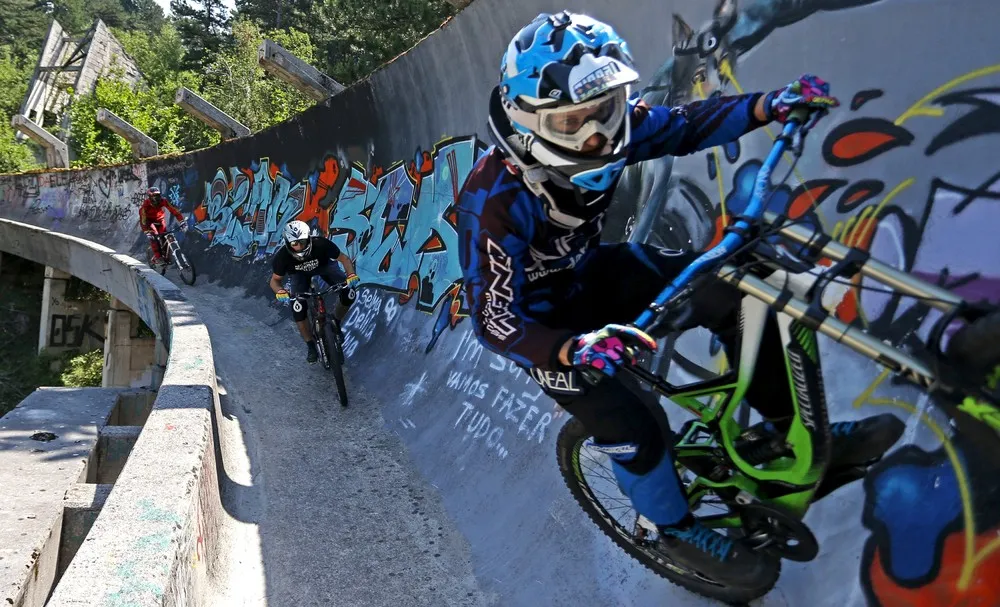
<point>904,169</point>
<point>165,503</point>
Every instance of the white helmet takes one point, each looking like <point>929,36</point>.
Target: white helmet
<point>297,230</point>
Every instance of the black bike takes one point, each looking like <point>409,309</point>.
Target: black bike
<point>170,250</point>
<point>327,335</point>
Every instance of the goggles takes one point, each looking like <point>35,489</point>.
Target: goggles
<point>570,126</point>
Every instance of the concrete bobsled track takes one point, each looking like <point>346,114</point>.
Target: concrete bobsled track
<point>165,503</point>
<point>439,485</point>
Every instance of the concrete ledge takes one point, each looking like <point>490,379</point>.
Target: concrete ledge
<point>81,505</point>
<point>155,538</point>
<point>279,62</point>
<point>143,146</point>
<point>56,151</point>
<point>201,109</point>
<point>114,444</point>
<point>47,442</point>
<point>134,407</point>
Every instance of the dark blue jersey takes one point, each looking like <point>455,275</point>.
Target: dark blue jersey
<point>518,264</point>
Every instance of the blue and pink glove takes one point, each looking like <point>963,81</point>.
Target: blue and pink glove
<point>604,350</point>
<point>807,92</point>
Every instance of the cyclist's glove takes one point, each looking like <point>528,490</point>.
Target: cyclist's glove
<point>605,349</point>
<point>183,226</point>
<point>809,92</point>
<point>281,296</point>
<point>353,280</point>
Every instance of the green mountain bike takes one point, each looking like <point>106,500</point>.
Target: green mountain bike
<point>760,487</point>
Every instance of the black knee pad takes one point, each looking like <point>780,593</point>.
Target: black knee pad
<point>299,309</point>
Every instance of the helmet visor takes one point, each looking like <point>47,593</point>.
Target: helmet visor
<point>571,125</point>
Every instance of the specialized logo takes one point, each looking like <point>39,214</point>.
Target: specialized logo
<point>500,295</point>
<point>562,382</point>
<point>308,266</point>
<point>802,389</point>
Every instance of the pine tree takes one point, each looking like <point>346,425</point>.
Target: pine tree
<point>203,25</point>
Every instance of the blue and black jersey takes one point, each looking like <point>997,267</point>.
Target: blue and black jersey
<point>521,269</point>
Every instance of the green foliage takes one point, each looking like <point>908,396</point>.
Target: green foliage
<point>202,25</point>
<point>359,36</point>
<point>15,157</point>
<point>200,47</point>
<point>77,16</point>
<point>23,24</point>
<point>14,76</point>
<point>84,370</point>
<point>151,110</point>
<point>237,85</point>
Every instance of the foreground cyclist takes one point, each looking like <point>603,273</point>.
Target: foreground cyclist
<point>152,215</point>
<point>541,287</point>
<point>304,256</point>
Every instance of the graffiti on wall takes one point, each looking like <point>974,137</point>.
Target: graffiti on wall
<point>71,330</point>
<point>101,199</point>
<point>910,222</point>
<point>396,223</point>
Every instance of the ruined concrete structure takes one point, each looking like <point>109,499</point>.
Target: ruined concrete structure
<point>67,62</point>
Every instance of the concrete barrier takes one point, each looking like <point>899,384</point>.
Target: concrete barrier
<point>149,544</point>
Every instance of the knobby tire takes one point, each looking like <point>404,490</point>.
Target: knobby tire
<point>570,440</point>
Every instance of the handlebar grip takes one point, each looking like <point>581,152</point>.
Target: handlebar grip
<point>800,115</point>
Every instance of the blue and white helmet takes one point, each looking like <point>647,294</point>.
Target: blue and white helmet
<point>565,78</point>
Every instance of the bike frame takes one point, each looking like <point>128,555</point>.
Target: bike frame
<point>789,482</point>
<point>317,312</point>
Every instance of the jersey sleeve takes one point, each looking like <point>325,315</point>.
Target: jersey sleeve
<point>493,249</point>
<point>279,265</point>
<point>660,131</point>
<point>173,211</point>
<point>326,248</point>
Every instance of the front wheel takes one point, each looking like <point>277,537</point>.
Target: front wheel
<point>337,361</point>
<point>186,268</point>
<point>588,475</point>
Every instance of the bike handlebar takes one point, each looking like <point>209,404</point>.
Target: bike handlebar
<point>322,292</point>
<point>713,258</point>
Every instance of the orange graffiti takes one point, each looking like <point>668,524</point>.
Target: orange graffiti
<point>411,289</point>
<point>862,139</point>
<point>325,181</point>
<point>943,591</point>
<point>857,144</point>
<point>433,244</point>
<point>812,194</point>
